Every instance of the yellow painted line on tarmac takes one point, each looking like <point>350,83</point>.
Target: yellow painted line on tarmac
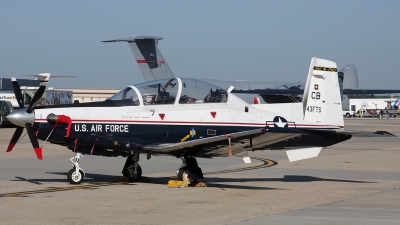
<point>267,163</point>
<point>122,180</point>
<point>57,189</point>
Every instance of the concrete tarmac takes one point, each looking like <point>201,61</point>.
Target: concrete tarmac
<point>354,182</point>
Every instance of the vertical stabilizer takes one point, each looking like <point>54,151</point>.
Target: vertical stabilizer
<point>351,75</point>
<point>321,100</point>
<point>148,56</point>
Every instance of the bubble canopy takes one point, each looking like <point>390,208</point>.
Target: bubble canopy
<point>171,91</point>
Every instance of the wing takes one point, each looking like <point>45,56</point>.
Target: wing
<point>219,145</point>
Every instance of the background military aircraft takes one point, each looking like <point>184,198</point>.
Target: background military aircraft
<point>153,66</point>
<point>187,118</point>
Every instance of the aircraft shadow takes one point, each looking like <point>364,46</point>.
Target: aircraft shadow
<point>90,178</point>
<point>213,182</point>
<point>286,178</point>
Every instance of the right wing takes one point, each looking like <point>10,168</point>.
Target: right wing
<point>219,145</point>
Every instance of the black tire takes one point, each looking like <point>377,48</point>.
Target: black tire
<point>180,173</point>
<point>132,177</point>
<point>347,115</point>
<point>72,178</point>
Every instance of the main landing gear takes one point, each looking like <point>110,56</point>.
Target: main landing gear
<point>76,174</point>
<point>132,169</point>
<point>189,171</point>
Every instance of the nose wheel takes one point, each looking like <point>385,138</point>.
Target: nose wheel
<point>76,174</point>
<point>75,177</point>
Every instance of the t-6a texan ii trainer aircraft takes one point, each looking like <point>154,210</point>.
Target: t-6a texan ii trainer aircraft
<point>188,118</point>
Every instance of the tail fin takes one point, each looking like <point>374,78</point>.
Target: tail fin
<point>148,56</point>
<point>321,99</point>
<point>351,75</point>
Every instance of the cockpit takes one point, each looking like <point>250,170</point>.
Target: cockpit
<point>171,91</point>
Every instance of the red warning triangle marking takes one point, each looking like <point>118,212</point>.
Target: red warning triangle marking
<point>161,116</point>
<point>213,114</point>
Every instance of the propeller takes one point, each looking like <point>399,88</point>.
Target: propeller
<point>25,117</point>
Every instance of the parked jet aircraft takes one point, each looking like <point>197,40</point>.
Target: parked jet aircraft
<point>154,66</point>
<point>187,118</point>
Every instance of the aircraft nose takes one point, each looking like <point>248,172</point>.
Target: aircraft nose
<point>20,117</point>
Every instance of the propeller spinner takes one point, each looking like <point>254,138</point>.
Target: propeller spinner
<point>25,117</point>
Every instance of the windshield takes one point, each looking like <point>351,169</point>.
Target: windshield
<point>197,91</point>
<point>162,91</point>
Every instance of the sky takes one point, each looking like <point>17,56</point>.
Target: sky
<point>270,41</point>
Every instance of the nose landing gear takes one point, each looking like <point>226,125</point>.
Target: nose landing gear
<point>76,174</point>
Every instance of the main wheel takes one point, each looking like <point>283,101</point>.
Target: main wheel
<point>74,178</point>
<point>180,172</point>
<point>131,175</point>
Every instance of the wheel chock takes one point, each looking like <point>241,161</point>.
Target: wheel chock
<point>200,184</point>
<point>177,184</point>
<point>181,184</point>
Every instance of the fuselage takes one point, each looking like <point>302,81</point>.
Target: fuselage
<point>130,127</point>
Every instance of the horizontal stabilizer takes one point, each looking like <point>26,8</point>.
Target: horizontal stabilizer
<point>296,154</point>
<point>357,133</point>
<point>134,38</point>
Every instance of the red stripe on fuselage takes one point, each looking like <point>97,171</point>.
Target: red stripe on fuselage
<point>197,123</point>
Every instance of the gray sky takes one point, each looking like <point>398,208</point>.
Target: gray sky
<point>229,40</point>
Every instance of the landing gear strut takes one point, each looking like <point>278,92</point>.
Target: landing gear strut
<point>189,170</point>
<point>132,169</point>
<point>76,174</point>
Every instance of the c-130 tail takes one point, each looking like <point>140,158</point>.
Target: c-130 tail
<point>148,56</point>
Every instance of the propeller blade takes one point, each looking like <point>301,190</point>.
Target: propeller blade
<point>17,92</point>
<point>15,138</point>
<point>36,97</point>
<point>34,141</point>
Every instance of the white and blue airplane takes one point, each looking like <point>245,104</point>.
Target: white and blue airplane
<point>187,118</point>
